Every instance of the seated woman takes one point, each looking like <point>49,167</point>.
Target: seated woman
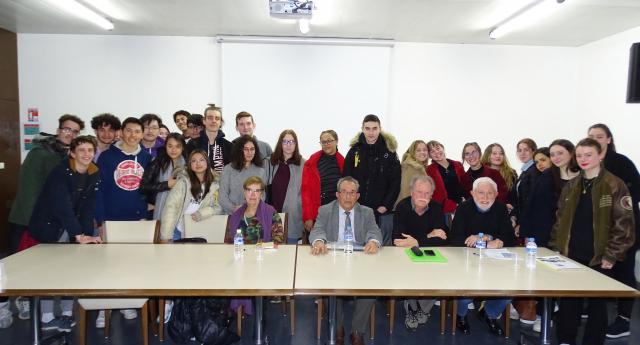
<point>256,220</point>
<point>162,173</point>
<point>195,194</point>
<point>285,176</point>
<point>471,153</point>
<point>414,163</point>
<point>595,227</point>
<point>245,162</point>
<point>64,212</point>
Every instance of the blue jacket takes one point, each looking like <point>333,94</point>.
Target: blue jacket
<point>67,202</point>
<point>119,197</point>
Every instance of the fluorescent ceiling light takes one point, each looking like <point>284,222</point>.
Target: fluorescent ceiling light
<point>84,12</point>
<point>306,40</point>
<point>532,13</point>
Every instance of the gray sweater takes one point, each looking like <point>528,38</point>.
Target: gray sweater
<point>231,181</point>
<point>292,201</point>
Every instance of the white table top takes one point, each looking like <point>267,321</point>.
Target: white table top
<point>147,270</point>
<point>390,272</point>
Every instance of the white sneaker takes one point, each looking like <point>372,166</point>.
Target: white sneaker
<point>24,308</point>
<point>513,313</point>
<point>129,314</point>
<point>471,306</point>
<point>100,319</point>
<point>537,325</point>
<point>6,319</point>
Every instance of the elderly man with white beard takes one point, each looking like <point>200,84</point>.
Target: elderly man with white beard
<point>482,214</point>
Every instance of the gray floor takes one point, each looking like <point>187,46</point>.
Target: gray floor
<point>127,332</point>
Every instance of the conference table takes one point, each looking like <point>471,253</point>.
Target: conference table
<point>466,273</point>
<point>147,270</point>
<point>161,270</point>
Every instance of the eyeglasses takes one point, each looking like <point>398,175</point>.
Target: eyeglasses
<point>67,130</point>
<point>348,194</point>
<point>326,142</point>
<point>253,191</point>
<point>471,154</point>
<point>151,128</point>
<point>288,142</point>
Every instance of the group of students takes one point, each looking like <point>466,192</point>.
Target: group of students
<point>566,196</point>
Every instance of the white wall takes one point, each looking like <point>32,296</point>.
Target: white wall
<point>449,92</point>
<point>126,75</point>
<point>462,93</point>
<point>602,86</point>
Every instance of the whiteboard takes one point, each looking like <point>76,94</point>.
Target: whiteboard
<point>308,88</point>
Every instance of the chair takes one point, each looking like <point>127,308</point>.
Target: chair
<point>212,229</point>
<point>292,307</point>
<point>120,232</point>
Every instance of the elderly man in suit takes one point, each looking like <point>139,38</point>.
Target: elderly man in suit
<point>333,218</point>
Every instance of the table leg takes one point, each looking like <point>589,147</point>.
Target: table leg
<point>546,321</point>
<point>35,320</point>
<point>258,321</point>
<point>332,319</point>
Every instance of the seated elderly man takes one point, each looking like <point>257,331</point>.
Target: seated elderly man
<point>419,221</point>
<point>333,221</point>
<point>482,214</point>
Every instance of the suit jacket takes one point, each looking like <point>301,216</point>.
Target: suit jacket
<point>326,226</point>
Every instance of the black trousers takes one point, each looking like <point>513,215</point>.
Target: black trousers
<point>569,317</point>
<point>624,272</point>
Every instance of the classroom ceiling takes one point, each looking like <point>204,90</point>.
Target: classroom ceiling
<point>438,21</point>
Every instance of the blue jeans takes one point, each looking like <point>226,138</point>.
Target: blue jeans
<point>493,306</point>
<point>292,240</point>
<point>176,234</point>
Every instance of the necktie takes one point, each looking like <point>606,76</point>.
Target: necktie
<point>347,226</point>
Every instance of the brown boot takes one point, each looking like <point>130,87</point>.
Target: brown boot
<point>356,338</point>
<point>340,336</point>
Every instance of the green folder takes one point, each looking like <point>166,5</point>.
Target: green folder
<point>425,258</point>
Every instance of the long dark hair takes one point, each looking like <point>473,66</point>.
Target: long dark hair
<point>555,171</point>
<point>163,158</point>
<point>237,152</point>
<point>611,147</point>
<point>277,156</point>
<point>196,187</point>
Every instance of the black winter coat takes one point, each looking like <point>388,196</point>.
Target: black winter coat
<point>377,169</point>
<point>202,142</point>
<point>624,169</point>
<point>67,202</point>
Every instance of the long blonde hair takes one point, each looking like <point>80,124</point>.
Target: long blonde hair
<point>411,152</point>
<point>507,172</point>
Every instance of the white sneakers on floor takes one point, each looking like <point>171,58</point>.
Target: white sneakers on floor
<point>129,314</point>
<point>6,319</point>
<point>100,319</point>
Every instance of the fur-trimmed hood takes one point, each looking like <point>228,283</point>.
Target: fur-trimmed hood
<point>389,140</point>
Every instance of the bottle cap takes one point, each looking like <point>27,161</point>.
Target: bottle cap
<point>239,231</point>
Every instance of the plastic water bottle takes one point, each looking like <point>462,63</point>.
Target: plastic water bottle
<point>532,252</point>
<point>348,242</point>
<point>480,243</point>
<point>238,245</point>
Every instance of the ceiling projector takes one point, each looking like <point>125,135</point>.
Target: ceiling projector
<point>291,9</point>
